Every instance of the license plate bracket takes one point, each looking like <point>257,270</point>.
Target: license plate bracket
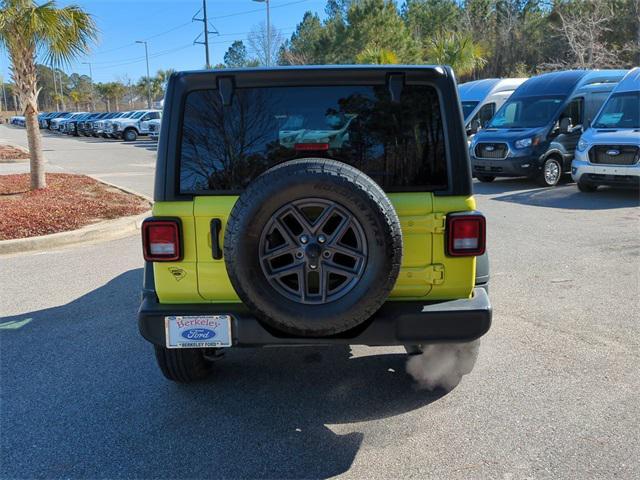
<point>198,331</point>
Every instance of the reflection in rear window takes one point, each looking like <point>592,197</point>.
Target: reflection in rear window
<point>399,144</point>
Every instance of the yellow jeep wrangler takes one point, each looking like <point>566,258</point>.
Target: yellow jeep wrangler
<point>311,205</point>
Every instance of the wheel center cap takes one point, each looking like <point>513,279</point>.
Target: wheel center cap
<point>313,251</point>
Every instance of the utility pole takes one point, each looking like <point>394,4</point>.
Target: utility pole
<point>93,106</point>
<point>64,107</point>
<point>206,32</point>
<point>55,88</point>
<point>268,56</point>
<point>4,94</point>
<point>146,54</point>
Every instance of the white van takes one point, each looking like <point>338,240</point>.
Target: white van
<point>481,99</point>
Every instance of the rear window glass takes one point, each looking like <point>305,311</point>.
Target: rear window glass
<point>399,144</point>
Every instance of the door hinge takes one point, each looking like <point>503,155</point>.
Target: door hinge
<point>434,274</point>
<point>437,222</point>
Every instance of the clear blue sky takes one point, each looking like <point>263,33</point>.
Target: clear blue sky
<point>167,26</point>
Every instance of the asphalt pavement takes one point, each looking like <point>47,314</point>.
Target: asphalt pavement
<point>555,392</point>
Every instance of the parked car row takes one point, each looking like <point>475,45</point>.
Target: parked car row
<point>586,122</point>
<point>17,120</point>
<point>127,126</point>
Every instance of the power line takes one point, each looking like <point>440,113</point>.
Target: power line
<point>182,25</point>
<point>154,55</point>
<point>258,9</point>
<point>169,31</point>
<point>173,29</point>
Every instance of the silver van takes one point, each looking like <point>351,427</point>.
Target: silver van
<point>608,153</point>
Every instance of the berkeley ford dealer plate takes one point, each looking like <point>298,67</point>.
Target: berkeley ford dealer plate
<point>200,331</point>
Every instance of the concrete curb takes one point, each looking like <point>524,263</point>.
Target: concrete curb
<point>17,147</point>
<point>101,231</point>
<point>123,189</point>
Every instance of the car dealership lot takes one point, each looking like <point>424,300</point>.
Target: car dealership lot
<point>554,393</point>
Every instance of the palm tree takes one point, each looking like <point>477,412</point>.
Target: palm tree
<point>457,50</point>
<point>377,56</point>
<point>76,97</point>
<point>163,76</point>
<point>28,31</point>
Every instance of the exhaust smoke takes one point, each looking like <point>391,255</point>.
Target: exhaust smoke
<point>443,365</point>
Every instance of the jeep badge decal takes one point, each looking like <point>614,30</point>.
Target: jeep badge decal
<point>178,273</point>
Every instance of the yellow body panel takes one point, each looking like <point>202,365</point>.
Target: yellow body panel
<point>426,273</point>
<point>214,282</point>
<point>177,282</point>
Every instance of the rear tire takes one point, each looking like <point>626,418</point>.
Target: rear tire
<point>586,187</point>
<point>351,250</point>
<point>182,365</point>
<point>486,178</point>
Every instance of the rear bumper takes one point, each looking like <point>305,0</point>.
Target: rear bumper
<point>396,323</point>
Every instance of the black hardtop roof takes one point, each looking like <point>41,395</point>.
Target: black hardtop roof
<point>310,74</point>
<point>439,69</point>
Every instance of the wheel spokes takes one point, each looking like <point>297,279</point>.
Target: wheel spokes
<point>313,251</point>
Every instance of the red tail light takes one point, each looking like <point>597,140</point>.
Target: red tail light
<point>161,240</point>
<point>466,234</point>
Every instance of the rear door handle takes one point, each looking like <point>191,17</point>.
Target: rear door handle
<point>216,251</point>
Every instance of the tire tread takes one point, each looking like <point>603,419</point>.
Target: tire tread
<point>344,174</point>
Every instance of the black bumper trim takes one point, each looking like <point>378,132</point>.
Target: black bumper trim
<point>396,323</point>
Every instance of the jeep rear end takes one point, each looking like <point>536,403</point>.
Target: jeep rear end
<point>316,205</point>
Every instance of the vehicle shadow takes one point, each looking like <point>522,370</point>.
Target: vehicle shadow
<point>568,197</point>
<point>151,145</point>
<point>502,185</point>
<point>82,395</point>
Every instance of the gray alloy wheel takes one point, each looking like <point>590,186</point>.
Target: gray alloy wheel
<point>313,251</point>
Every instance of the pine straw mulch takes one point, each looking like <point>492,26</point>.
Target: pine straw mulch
<point>69,202</point>
<point>8,152</point>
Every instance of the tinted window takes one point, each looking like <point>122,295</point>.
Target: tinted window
<point>574,112</point>
<point>399,144</point>
<point>622,110</point>
<point>593,102</point>
<point>527,112</point>
<point>467,108</point>
<point>485,114</point>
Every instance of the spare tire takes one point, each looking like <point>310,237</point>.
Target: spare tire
<point>313,247</point>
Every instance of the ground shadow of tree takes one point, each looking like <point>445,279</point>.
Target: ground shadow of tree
<point>82,398</point>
